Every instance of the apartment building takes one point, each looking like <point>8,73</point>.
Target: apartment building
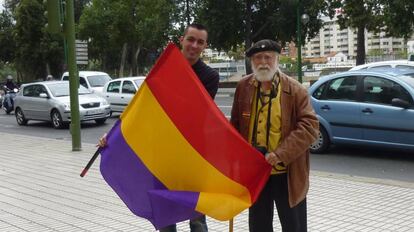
<point>331,39</point>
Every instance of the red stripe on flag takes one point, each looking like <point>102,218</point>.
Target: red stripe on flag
<point>184,99</point>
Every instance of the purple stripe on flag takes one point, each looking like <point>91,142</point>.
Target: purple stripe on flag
<point>140,190</point>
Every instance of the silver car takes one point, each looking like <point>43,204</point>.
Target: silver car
<point>49,101</point>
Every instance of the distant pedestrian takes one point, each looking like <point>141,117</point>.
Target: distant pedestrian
<point>273,112</point>
<point>49,78</point>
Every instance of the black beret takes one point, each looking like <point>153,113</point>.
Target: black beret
<point>263,45</point>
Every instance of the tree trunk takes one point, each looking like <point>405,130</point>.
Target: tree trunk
<point>360,59</point>
<point>248,38</point>
<point>187,11</point>
<point>47,68</point>
<point>134,60</point>
<point>123,58</point>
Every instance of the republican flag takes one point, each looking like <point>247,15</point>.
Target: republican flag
<point>173,155</point>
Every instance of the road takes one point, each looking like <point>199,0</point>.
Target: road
<point>352,161</point>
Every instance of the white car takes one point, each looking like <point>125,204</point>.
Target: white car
<point>94,81</point>
<point>50,101</point>
<point>397,64</point>
<point>119,92</point>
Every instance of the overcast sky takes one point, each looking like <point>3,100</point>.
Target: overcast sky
<point>1,5</point>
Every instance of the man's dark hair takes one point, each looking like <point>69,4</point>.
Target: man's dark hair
<point>197,26</point>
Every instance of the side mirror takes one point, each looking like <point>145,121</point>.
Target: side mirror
<point>400,103</point>
<point>43,95</point>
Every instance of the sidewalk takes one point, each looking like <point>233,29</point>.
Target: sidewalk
<point>40,190</point>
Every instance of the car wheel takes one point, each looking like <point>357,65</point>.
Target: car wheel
<point>21,120</point>
<point>56,118</point>
<point>100,121</point>
<point>322,143</point>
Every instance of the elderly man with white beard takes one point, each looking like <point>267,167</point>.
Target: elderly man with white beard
<point>273,113</point>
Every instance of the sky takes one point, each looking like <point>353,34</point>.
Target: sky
<point>1,5</point>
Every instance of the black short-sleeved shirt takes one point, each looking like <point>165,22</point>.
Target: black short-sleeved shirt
<point>208,76</point>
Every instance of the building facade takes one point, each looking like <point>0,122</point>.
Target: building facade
<point>332,39</point>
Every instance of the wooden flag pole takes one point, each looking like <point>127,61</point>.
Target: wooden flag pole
<point>231,225</point>
<point>85,170</point>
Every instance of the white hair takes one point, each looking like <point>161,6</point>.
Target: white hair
<point>265,73</point>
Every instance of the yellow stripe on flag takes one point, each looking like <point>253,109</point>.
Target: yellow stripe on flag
<point>220,206</point>
<point>162,148</point>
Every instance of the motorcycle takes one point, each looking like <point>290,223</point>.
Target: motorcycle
<point>9,94</point>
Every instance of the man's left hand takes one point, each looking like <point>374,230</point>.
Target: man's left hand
<point>272,159</point>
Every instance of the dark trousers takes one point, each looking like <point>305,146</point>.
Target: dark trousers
<point>196,225</point>
<point>261,213</point>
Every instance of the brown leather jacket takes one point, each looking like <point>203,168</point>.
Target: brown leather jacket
<point>299,129</point>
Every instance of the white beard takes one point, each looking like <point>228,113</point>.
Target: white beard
<point>264,73</point>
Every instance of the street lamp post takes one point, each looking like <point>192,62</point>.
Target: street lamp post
<point>304,18</point>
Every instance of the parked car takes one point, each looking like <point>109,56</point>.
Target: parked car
<point>397,64</point>
<point>94,81</point>
<point>364,108</point>
<point>119,92</point>
<point>49,101</point>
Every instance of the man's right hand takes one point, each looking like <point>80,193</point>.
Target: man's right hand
<point>102,141</point>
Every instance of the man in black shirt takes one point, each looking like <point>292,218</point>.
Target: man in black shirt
<point>193,43</point>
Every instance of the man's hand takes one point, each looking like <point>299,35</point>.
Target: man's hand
<point>102,141</point>
<point>272,159</point>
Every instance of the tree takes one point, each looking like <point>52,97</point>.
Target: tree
<point>11,5</point>
<point>399,17</point>
<point>7,43</point>
<point>235,22</point>
<point>79,6</point>
<point>395,17</point>
<point>36,50</point>
<point>95,26</point>
<point>119,30</point>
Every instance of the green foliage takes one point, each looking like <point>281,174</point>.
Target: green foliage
<point>399,17</point>
<point>11,5</point>
<point>396,17</point>
<point>237,53</point>
<point>79,5</point>
<point>6,69</point>
<point>234,22</point>
<point>7,44</point>
<point>108,25</point>
<point>375,52</point>
<point>35,47</point>
<point>288,63</point>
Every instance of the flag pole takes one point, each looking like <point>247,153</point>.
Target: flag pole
<point>231,225</point>
<point>85,170</point>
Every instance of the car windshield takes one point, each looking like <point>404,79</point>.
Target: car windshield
<point>138,82</point>
<point>62,89</point>
<point>98,80</point>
